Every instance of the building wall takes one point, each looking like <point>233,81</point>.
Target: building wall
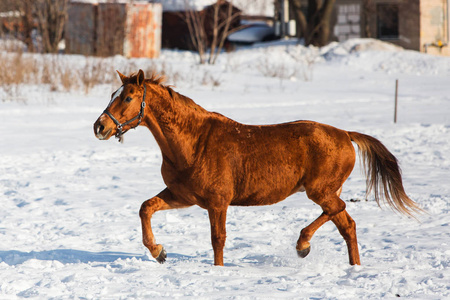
<point>421,22</point>
<point>408,22</point>
<point>347,20</point>
<point>106,29</point>
<point>80,29</point>
<point>434,26</point>
<point>110,30</point>
<point>421,25</point>
<point>143,34</point>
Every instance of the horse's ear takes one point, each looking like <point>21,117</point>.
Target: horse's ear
<point>140,77</point>
<point>123,78</point>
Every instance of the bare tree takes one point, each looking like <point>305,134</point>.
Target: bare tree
<point>24,10</point>
<point>221,19</point>
<point>195,20</point>
<point>226,20</point>
<point>315,27</point>
<point>51,15</point>
<point>368,11</point>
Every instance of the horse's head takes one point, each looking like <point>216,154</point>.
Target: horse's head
<point>125,110</point>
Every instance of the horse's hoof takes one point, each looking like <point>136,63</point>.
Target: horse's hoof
<point>303,253</point>
<point>162,256</point>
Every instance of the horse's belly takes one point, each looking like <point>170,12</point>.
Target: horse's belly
<point>272,197</point>
<point>254,202</point>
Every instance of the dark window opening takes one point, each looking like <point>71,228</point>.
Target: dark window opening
<point>387,21</point>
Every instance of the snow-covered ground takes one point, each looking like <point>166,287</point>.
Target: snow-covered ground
<point>69,224</point>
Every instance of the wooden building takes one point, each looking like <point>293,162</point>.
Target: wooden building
<point>106,29</point>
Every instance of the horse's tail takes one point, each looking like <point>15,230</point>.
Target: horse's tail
<point>383,174</point>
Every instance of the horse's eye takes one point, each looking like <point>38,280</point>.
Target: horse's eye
<point>128,99</point>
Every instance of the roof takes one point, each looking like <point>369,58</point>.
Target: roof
<point>252,8</point>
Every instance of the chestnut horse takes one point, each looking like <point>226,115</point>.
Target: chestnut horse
<point>212,161</point>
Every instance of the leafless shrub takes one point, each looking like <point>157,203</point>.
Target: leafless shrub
<point>307,56</point>
<point>47,71</point>
<point>233,63</point>
<point>14,70</point>
<point>81,74</point>
<point>278,68</point>
<point>167,70</point>
<point>67,81</point>
<point>94,73</point>
<point>299,64</point>
<point>210,79</point>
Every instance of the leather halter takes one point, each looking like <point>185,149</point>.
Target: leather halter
<point>119,125</point>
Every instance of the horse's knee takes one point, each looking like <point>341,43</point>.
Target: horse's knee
<point>143,211</point>
<point>148,208</point>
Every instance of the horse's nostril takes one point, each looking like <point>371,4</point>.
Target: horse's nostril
<point>98,128</point>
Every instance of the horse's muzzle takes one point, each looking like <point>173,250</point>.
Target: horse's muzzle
<point>100,130</point>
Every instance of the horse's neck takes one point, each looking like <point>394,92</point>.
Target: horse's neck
<point>177,124</point>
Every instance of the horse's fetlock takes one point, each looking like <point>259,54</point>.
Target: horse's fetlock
<point>304,235</point>
<point>156,250</point>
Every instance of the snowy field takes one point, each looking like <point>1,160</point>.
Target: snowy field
<point>69,224</point>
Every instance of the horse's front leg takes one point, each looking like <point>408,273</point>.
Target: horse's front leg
<point>217,218</point>
<point>164,200</point>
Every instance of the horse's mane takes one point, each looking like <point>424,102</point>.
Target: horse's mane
<point>154,79</point>
<point>159,80</point>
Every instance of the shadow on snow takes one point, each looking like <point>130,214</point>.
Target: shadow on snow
<point>65,256</point>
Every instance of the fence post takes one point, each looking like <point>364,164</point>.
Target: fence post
<point>396,101</point>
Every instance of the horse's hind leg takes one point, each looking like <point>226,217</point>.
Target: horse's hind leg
<point>162,201</point>
<point>333,209</point>
<point>347,228</point>
<point>303,245</point>
<point>331,206</point>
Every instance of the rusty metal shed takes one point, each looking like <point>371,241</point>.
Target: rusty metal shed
<point>143,34</point>
<point>106,29</point>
